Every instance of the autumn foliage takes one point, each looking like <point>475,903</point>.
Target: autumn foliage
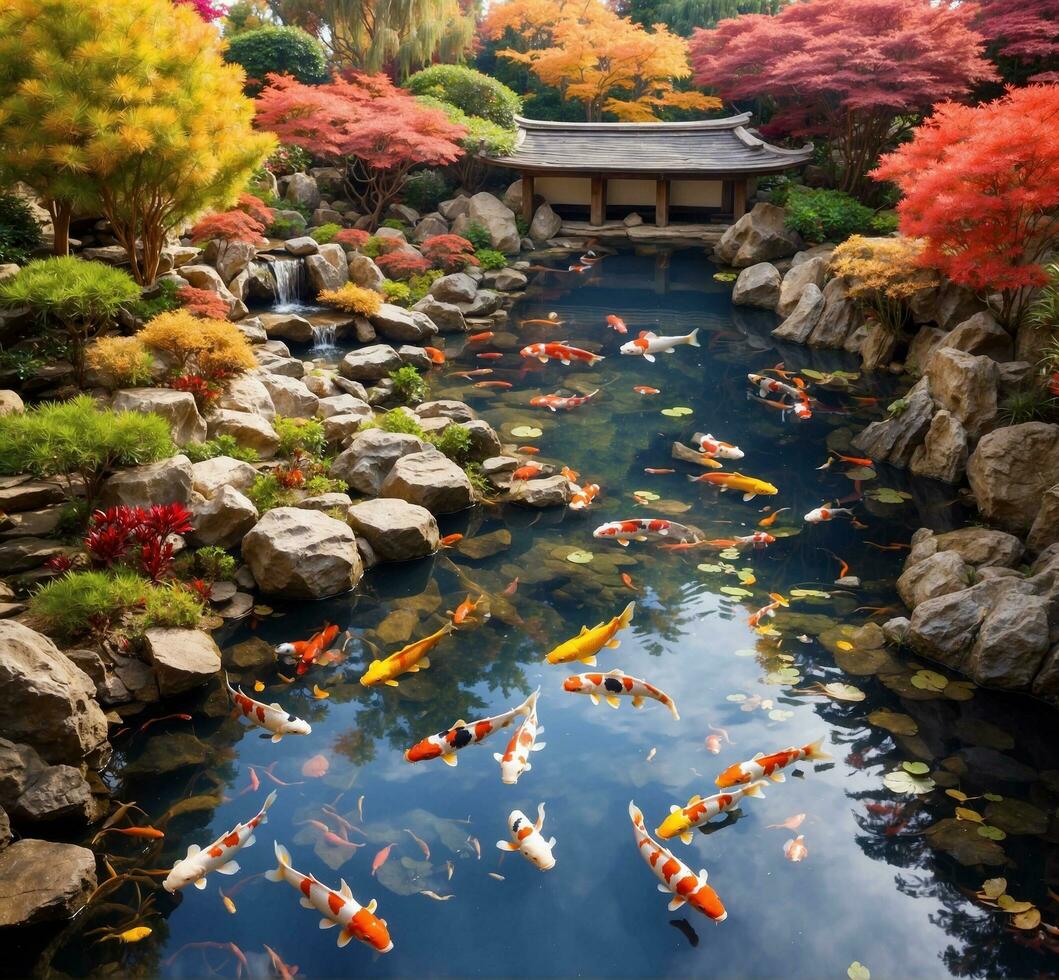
<point>981,187</point>
<point>402,264</point>
<point>858,74</point>
<point>596,57</point>
<point>451,253</point>
<point>213,349</point>
<point>1023,36</point>
<point>351,238</point>
<point>244,223</point>
<point>367,125</point>
<point>352,299</point>
<point>202,303</point>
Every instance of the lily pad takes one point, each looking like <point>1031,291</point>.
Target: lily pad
<point>580,557</point>
<point>894,722</point>
<point>858,971</point>
<point>965,813</point>
<point>887,495</point>
<point>994,887</point>
<point>959,690</point>
<point>726,276</point>
<point>735,591</point>
<point>1030,919</point>
<point>861,473</point>
<point>1009,904</point>
<point>785,675</point>
<point>671,507</point>
<point>956,795</point>
<point>646,495</point>
<point>809,594</point>
<point>990,832</point>
<point>526,432</point>
<point>901,781</point>
<point>1017,817</point>
<point>710,569</point>
<point>962,840</point>
<point>677,411</point>
<point>929,680</point>
<point>843,692</point>
<point>729,553</point>
<point>746,576</point>
<point>916,768</point>
<point>736,698</point>
<point>780,714</point>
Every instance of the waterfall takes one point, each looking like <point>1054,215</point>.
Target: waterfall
<point>325,335</point>
<point>291,283</point>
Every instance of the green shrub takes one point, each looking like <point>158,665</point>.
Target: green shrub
<point>478,236</point>
<point>315,486</point>
<point>325,234</point>
<point>220,446</point>
<point>213,564</point>
<point>72,520</point>
<point>284,228</point>
<point>827,216</point>
<point>80,297</point>
<point>490,258</point>
<point>266,492</point>
<point>1030,403</point>
<point>171,605</point>
<point>24,361</point>
<point>399,293</point>
<point>419,286</point>
<point>884,223</point>
<point>300,435</point>
<point>471,91</point>
<point>522,225</point>
<point>409,385</point>
<point>64,439</point>
<point>372,248</point>
<point>80,603</point>
<point>163,299</point>
<point>484,138</point>
<point>454,441</point>
<point>396,224</point>
<point>279,50</point>
<point>396,421</point>
<point>479,481</point>
<point>19,231</point>
<point>425,190</point>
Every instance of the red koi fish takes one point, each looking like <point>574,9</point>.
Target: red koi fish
<point>561,352</point>
<point>436,356</point>
<point>528,472</point>
<point>477,373</point>
<point>450,539</point>
<point>769,766</point>
<point>493,384</point>
<point>646,390</point>
<point>556,402</point>
<point>615,683</point>
<point>306,652</point>
<point>464,609</point>
<point>642,528</point>
<point>551,320</point>
<point>490,356</point>
<point>583,496</point>
<point>481,338</point>
<point>768,611</point>
<point>616,323</point>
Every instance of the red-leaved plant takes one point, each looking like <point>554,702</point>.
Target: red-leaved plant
<point>352,238</point>
<point>202,303</point>
<point>402,265</point>
<point>116,534</point>
<point>451,253</point>
<point>204,390</point>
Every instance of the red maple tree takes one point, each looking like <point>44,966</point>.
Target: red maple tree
<point>1023,36</point>
<point>402,265</point>
<point>206,9</point>
<point>981,187</point>
<point>858,74</point>
<point>375,130</point>
<point>451,253</point>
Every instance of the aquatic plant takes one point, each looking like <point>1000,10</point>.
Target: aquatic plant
<point>490,259</point>
<point>266,493</point>
<point>351,298</point>
<point>121,362</point>
<point>454,441</point>
<point>214,349</point>
<point>409,385</point>
<point>479,481</point>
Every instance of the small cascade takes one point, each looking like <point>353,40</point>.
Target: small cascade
<point>291,283</point>
<point>325,336</point>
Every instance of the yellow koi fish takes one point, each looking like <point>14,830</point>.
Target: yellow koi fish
<point>749,485</point>
<point>410,659</point>
<point>589,642</point>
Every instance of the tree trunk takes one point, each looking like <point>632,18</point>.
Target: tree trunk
<point>61,213</point>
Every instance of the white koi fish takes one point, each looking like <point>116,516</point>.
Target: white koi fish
<point>683,820</point>
<point>447,743</point>
<point>527,840</point>
<point>269,716</point>
<point>515,760</point>
<point>674,876</point>
<point>820,515</point>
<point>644,528</point>
<point>715,448</point>
<point>648,344</point>
<point>198,862</point>
<point>614,683</point>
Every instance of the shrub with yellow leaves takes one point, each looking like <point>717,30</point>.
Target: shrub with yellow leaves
<point>352,298</point>
<point>214,349</point>
<point>120,362</point>
<point>884,275</point>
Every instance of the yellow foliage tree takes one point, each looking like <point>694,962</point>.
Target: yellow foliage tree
<point>598,58</point>
<point>126,107</point>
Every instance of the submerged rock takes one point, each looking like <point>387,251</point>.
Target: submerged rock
<point>552,491</point>
<point>758,285</point>
<point>43,882</point>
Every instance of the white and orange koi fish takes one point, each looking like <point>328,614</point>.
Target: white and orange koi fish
<point>770,386</point>
<point>515,760</point>
<point>199,862</point>
<point>615,683</point>
<point>526,838</point>
<point>768,611</point>
<point>269,716</point>
<point>337,908</point>
<point>821,515</point>
<point>769,766</point>
<point>715,448</point>
<point>648,344</point>
<point>447,743</point>
<point>674,876</point>
<point>556,402</point>
<point>582,496</point>
<point>683,820</point>
<point>560,351</point>
<point>644,528</point>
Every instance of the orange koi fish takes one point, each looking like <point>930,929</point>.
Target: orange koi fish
<point>528,450</point>
<point>150,833</point>
<point>757,540</point>
<point>768,611</point>
<point>528,472</point>
<point>307,651</point>
<point>795,849</point>
<point>515,760</point>
<point>749,485</point>
<point>582,496</point>
<point>551,320</point>
<point>450,539</point>
<point>715,448</point>
<point>409,659</point>
<point>658,470</point>
<point>436,356</point>
<point>614,683</point>
<point>476,373</point>
<point>821,515</point>
<point>616,323</point>
<point>561,352</point>
<point>683,820</point>
<point>646,390</point>
<point>643,528</point>
<point>556,402</point>
<point>493,384</point>
<point>489,356</point>
<point>771,519</point>
<point>481,338</point>
<point>464,609</point>
<point>854,460</point>
<point>769,766</point>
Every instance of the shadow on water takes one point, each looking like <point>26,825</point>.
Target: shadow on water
<point>890,877</point>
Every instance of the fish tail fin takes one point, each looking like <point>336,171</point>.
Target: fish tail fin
<point>269,800</point>
<point>282,862</point>
<point>672,706</point>
<point>635,815</point>
<point>530,703</point>
<point>626,615</point>
<point>693,338</point>
<point>814,750</point>
<point>782,600</point>
<point>756,788</point>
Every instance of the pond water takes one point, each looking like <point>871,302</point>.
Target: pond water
<point>873,888</point>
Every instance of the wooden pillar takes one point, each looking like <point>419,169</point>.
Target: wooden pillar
<point>662,202</point>
<point>598,207</point>
<point>738,199</point>
<point>527,197</point>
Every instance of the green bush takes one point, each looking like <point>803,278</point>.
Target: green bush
<point>884,222</point>
<point>325,234</point>
<point>372,248</point>
<point>172,606</point>
<point>827,216</point>
<point>396,421</point>
<point>213,564</point>
<point>454,441</point>
<point>19,231</point>
<point>396,224</point>
<point>80,603</point>
<point>399,293</point>
<point>478,236</point>
<point>282,50</point>
<point>419,286</point>
<point>471,91</point>
<point>77,438</point>
<point>490,258</point>
<point>163,299</point>
<point>425,190</point>
<point>221,446</point>
<point>266,493</point>
<point>81,297</point>
<point>284,228</point>
<point>300,435</point>
<point>315,486</point>
<point>409,385</point>
<point>479,481</point>
<point>483,138</point>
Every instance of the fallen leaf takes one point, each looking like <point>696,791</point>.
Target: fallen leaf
<point>843,692</point>
<point>964,813</point>
<point>1009,904</point>
<point>994,887</point>
<point>1029,919</point>
<point>319,693</point>
<point>858,971</point>
<point>580,557</point>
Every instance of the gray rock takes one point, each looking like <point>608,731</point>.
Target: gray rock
<point>328,269</point>
<point>178,408</point>
<point>370,457</point>
<point>165,482</point>
<point>429,226</point>
<point>966,385</point>
<point>447,317</point>
<point>497,218</point>
<point>431,480</point>
<point>896,630</point>
<point>760,235</point>
<point>633,220</point>
<point>370,363</point>
<point>947,305</point>
<point>894,439</point>
<point>208,278</point>
<point>54,793</point>
<point>44,882</point>
<point>302,190</point>
<point>758,285</point>
<point>1011,644</point>
<point>287,326</point>
<point>981,335</point>
<point>415,356</point>
<point>210,475</point>
<point>183,659</point>
<point>19,493</point>
<point>839,317</point>
<point>452,209</point>
<point>935,576</point>
<point>803,318</point>
<point>485,303</point>
<point>5,824</point>
<point>877,345</point>
<point>812,270</point>
<point>485,443</point>
<point>247,393</point>
<point>340,429</point>
<point>10,401</point>
<point>364,272</point>
<point>447,408</point>
<point>1045,529</point>
<point>291,397</point>
<point>302,554</point>
<point>924,343</point>
<point>396,530</point>
<point>551,491</point>
<point>1011,469</point>
<point>545,224</point>
<point>327,502</point>
<point>21,554</point>
<point>458,287</point>
<point>303,245</point>
<point>354,388</point>
<point>402,326</point>
<point>509,280</point>
<point>943,453</point>
<point>249,430</point>
<point>223,519</point>
<point>229,258</point>
<point>982,547</point>
<point>344,405</point>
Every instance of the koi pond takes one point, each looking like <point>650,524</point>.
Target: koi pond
<point>933,787</point>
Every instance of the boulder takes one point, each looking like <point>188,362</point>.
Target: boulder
<point>447,408</point>
<point>21,493</point>
<point>966,385</point>
<point>813,270</point>
<point>303,245</point>
<point>497,218</point>
<point>364,272</point>
<point>21,554</point>
<point>513,195</point>
<point>287,326</point>
<point>249,430</point>
<point>340,429</point>
<point>429,226</point>
<point>370,363</point>
<point>289,366</point>
<point>982,335</point>
<point>222,519</point>
<point>938,575</point>
<point>415,356</point>
<point>10,402</point>
<point>839,317</point>
<point>370,457</point>
<point>1011,644</point>
<point>290,396</point>
<point>210,475</point>
<point>295,219</point>
<point>760,235</point>
<point>183,659</point>
<point>545,224</point>
<point>452,209</point>
<point>396,530</point>
<point>402,326</point>
<point>55,793</point>
<point>328,269</point>
<point>877,345</point>
<point>208,278</point>
<point>328,503</point>
<point>343,404</point>
<point>458,287</point>
<point>803,319</point>
<point>485,303</point>
<point>46,701</point>
<point>430,479</point>
<point>758,285</point>
<point>44,882</point>
<point>403,213</point>
<point>508,280</point>
<point>1010,471</point>
<point>165,482</point>
<point>447,317</point>
<point>302,554</point>
<point>302,190</point>
<point>924,343</point>
<point>229,258</point>
<point>551,491</point>
<point>178,408</point>
<point>344,385</point>
<point>894,439</point>
<point>982,547</point>
<point>947,305</point>
<point>248,393</point>
<point>485,443</point>
<point>1045,528</point>
<point>943,452</point>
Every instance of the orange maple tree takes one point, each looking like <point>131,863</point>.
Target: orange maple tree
<point>598,58</point>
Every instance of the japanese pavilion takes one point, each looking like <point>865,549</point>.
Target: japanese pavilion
<point>693,170</point>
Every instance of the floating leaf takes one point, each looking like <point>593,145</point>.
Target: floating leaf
<point>843,692</point>
<point>677,411</point>
<point>965,813</point>
<point>1009,904</point>
<point>737,698</point>
<point>726,276</point>
<point>861,473</point>
<point>646,495</point>
<point>785,675</point>
<point>580,557</point>
<point>994,887</point>
<point>929,680</point>
<point>809,594</point>
<point>1030,919</point>
<point>710,569</point>
<point>887,495</point>
<point>746,576</point>
<point>263,610</point>
<point>526,432</point>
<point>728,553</point>
<point>962,840</point>
<point>780,714</point>
<point>992,797</point>
<point>956,795</point>
<point>916,768</point>
<point>901,781</point>
<point>990,832</point>
<point>959,690</point>
<point>746,652</point>
<point>735,591</point>
<point>894,722</point>
<point>858,971</point>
